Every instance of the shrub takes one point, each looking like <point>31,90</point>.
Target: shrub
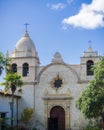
<point>93,127</point>
<point>27,114</point>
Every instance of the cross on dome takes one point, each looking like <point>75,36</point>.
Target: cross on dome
<point>26,24</point>
<point>26,32</point>
<point>89,41</point>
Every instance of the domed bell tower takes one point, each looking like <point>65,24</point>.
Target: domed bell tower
<point>25,58</point>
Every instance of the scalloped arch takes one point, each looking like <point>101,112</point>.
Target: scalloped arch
<point>49,65</point>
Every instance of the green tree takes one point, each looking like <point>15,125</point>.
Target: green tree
<point>4,62</point>
<point>91,102</point>
<point>13,82</point>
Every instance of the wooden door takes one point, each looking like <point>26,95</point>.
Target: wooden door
<point>52,124</point>
<point>57,118</point>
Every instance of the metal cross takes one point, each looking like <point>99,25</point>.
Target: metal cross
<point>26,24</point>
<point>89,41</point>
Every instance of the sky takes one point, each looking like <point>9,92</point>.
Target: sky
<point>65,26</point>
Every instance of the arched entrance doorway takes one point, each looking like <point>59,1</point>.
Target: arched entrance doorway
<point>57,119</point>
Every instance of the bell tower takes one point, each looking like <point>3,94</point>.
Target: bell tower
<point>25,58</point>
<point>25,62</point>
<point>88,59</point>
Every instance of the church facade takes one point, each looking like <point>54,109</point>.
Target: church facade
<point>52,90</point>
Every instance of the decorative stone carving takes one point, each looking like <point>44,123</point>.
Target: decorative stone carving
<point>57,58</point>
<point>61,100</point>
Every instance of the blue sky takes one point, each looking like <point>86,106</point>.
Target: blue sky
<point>65,26</point>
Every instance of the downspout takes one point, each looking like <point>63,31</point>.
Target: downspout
<point>17,111</point>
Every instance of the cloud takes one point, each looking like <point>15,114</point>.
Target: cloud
<point>58,6</point>
<point>90,16</point>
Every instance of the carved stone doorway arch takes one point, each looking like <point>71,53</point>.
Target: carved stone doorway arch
<point>53,102</point>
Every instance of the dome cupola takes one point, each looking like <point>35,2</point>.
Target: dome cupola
<point>24,47</point>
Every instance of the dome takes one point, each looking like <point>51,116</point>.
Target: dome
<point>25,43</point>
<point>25,47</point>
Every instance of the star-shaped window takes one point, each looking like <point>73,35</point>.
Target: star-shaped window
<point>57,82</point>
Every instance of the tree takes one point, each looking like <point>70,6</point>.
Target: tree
<point>4,62</point>
<point>12,81</point>
<point>91,102</point>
